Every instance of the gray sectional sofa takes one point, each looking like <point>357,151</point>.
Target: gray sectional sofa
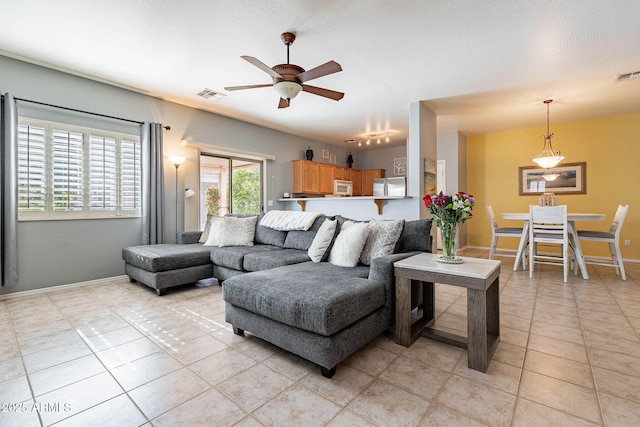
<point>317,310</point>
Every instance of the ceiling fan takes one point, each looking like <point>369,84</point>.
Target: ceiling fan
<point>289,79</point>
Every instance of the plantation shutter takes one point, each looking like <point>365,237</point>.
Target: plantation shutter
<point>32,177</point>
<point>130,175</point>
<point>67,177</point>
<point>103,176</point>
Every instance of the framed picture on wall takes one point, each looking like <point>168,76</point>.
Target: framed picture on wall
<point>400,166</point>
<point>567,178</point>
<point>325,153</point>
<point>332,158</point>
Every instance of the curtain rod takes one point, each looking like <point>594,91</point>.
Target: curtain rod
<point>82,111</point>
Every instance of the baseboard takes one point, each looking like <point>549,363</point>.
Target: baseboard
<point>59,287</point>
<point>629,260</point>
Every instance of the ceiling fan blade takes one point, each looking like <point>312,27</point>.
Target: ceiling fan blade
<point>332,94</point>
<point>321,70</point>
<point>246,87</point>
<point>284,103</point>
<point>261,65</point>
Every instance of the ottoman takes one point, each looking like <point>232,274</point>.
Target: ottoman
<point>166,265</point>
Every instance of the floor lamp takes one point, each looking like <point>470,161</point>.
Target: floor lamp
<point>177,161</point>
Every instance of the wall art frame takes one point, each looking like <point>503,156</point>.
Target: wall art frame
<point>566,178</point>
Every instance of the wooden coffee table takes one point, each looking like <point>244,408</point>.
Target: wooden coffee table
<point>481,279</point>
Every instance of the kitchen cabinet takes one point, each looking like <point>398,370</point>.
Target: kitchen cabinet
<point>367,180</point>
<point>315,178</point>
<point>326,177</point>
<point>356,179</point>
<point>342,173</point>
<point>305,177</point>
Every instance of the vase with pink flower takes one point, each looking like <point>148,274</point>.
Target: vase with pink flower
<point>449,212</point>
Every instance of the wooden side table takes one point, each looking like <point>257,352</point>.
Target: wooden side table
<point>481,279</point>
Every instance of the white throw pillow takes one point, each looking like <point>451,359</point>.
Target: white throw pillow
<point>349,244</point>
<point>207,227</point>
<point>238,231</point>
<point>215,224</point>
<point>383,236</point>
<point>322,240</point>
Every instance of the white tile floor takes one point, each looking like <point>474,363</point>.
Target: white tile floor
<point>116,354</point>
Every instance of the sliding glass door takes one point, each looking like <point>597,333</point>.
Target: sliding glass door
<point>229,185</point>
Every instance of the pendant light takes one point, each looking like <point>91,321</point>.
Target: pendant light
<point>548,158</point>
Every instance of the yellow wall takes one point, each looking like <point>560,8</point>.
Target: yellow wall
<point>610,147</point>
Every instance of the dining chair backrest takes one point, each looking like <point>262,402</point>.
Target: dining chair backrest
<point>618,219</point>
<point>548,214</point>
<point>548,222</point>
<point>492,217</point>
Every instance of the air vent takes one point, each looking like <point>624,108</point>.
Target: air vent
<point>627,76</point>
<point>210,93</point>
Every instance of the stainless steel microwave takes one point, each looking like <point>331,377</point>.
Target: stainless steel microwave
<point>342,188</point>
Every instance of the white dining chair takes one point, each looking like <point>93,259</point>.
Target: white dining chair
<point>612,238</point>
<point>497,232</point>
<point>549,225</point>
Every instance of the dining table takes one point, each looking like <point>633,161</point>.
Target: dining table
<point>571,219</point>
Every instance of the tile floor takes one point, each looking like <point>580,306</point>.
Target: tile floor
<point>115,354</point>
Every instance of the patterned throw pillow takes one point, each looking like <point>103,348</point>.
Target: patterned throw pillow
<point>238,231</point>
<point>349,244</point>
<point>383,236</point>
<point>322,240</point>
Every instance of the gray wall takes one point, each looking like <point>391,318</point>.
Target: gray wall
<point>62,252</point>
<point>380,158</point>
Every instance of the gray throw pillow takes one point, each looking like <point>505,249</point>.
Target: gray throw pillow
<point>416,236</point>
<point>383,236</point>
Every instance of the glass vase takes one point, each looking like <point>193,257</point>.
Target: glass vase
<point>449,234</point>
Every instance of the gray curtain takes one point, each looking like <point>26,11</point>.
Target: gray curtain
<point>152,183</point>
<point>9,196</point>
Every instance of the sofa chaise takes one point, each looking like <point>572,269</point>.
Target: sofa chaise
<point>322,311</point>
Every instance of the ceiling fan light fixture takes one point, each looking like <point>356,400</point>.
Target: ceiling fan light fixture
<point>548,158</point>
<point>288,90</point>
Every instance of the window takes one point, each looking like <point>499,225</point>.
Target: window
<point>69,172</point>
<point>229,184</point>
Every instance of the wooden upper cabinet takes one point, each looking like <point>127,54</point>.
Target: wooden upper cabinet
<point>367,180</point>
<point>305,177</point>
<point>326,178</point>
<point>317,178</point>
<point>356,180</point>
<point>340,172</point>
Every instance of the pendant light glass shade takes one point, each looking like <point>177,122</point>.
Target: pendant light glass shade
<point>548,158</point>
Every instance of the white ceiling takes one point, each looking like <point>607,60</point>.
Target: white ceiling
<point>482,66</point>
